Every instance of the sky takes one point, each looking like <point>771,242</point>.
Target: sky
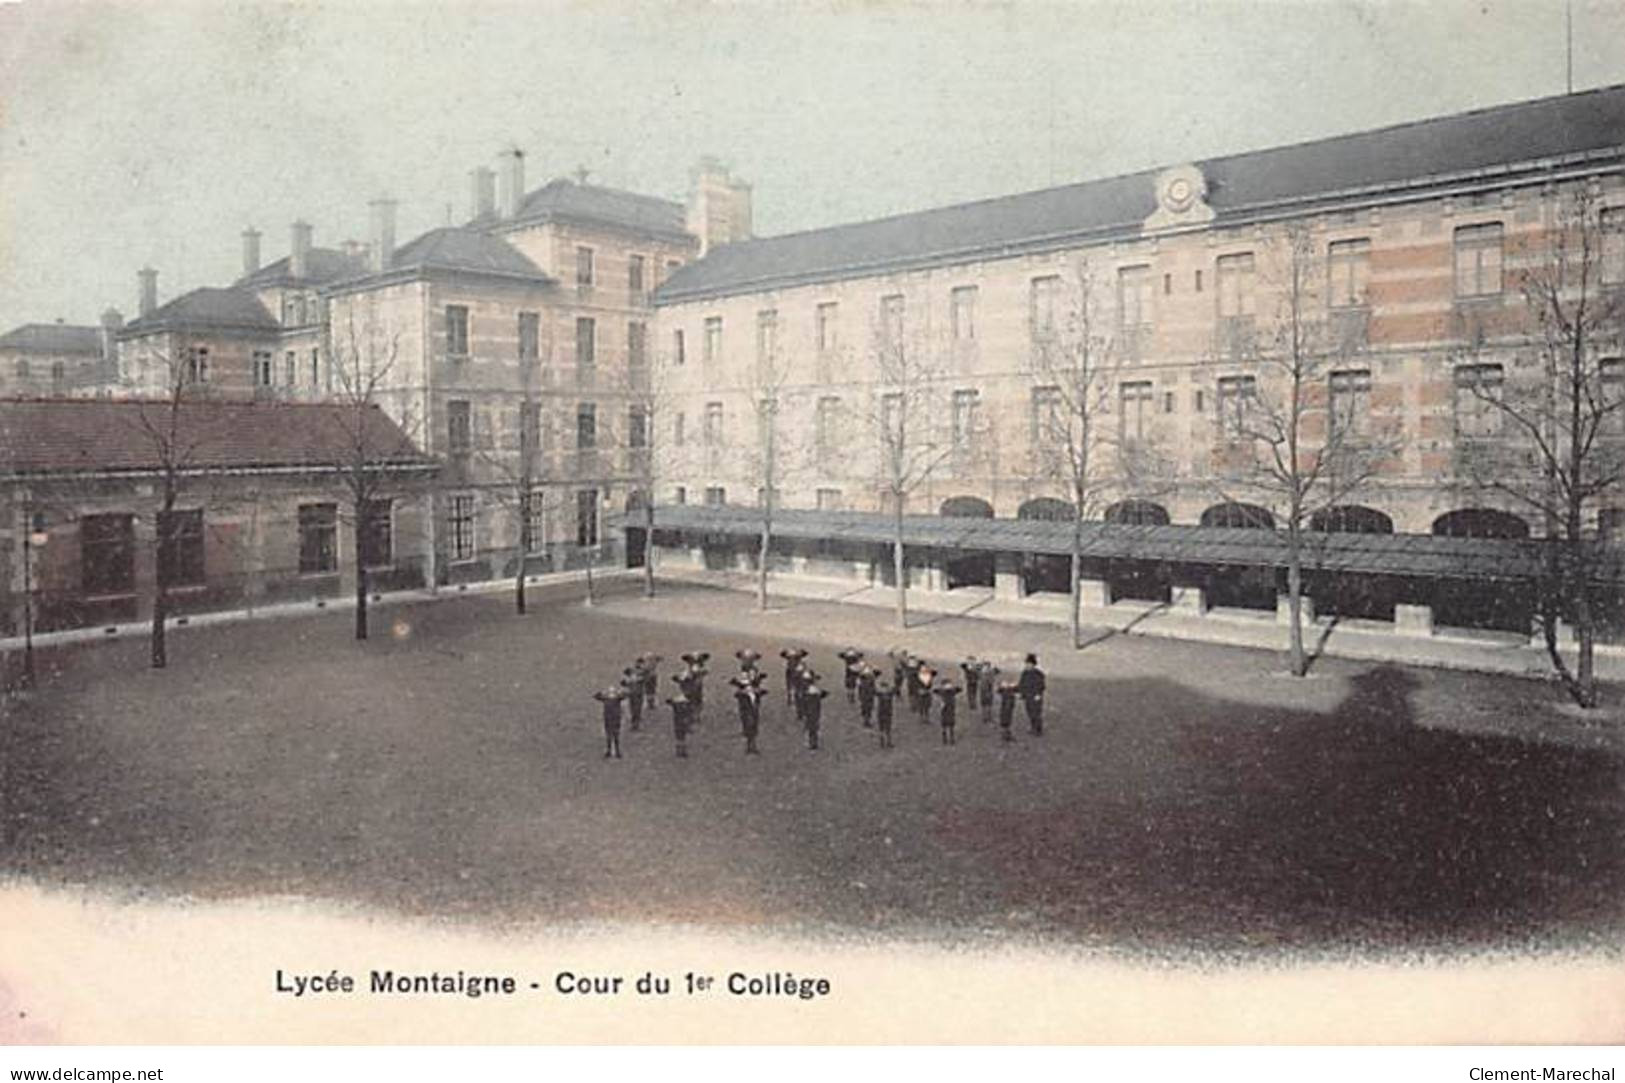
<point>154,132</point>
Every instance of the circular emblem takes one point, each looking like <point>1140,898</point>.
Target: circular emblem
<point>1179,194</point>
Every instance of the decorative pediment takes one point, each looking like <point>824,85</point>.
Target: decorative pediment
<point>1181,192</point>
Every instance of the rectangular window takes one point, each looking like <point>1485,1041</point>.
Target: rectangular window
<point>315,369</point>
<point>891,321</point>
<point>962,313</point>
<point>378,534</point>
<point>826,427</point>
<point>1349,401</point>
<point>637,334</point>
<point>716,496</point>
<point>1237,397</point>
<point>460,524</point>
<point>1479,260</point>
<point>679,495</point>
<point>289,363</point>
<point>1134,297</point>
<point>1478,390</point>
<point>829,500</point>
<point>1136,402</point>
<point>262,368</point>
<point>713,338</point>
<point>1348,266</point>
<point>180,549</point>
<point>767,335</point>
<point>1611,376</point>
<point>530,337</point>
<point>586,341</point>
<point>1612,221</point>
<point>107,554</point>
<point>712,433</point>
<point>586,517</point>
<point>1041,300</point>
<point>824,326</point>
<point>584,267</point>
<point>1236,279</point>
<point>679,426</point>
<point>678,353</point>
<point>535,512</point>
<point>966,417</point>
<point>530,427</point>
<point>586,426</point>
<point>1048,422</point>
<point>459,427</point>
<point>456,331</point>
<point>197,365</point>
<point>318,539</point>
<point>634,276</point>
<point>637,427</point>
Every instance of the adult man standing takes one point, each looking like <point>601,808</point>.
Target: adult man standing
<point>1031,686</point>
<point>611,699</point>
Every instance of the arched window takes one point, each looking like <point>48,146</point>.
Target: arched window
<point>1137,513</point>
<point>1046,508</point>
<point>966,507</point>
<point>1246,516</point>
<point>1351,519</point>
<point>1480,523</point>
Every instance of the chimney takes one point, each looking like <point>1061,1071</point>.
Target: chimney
<point>718,207</point>
<point>251,251</point>
<point>482,192</point>
<point>382,253</point>
<point>299,249</point>
<point>149,291</point>
<point>112,324</point>
<point>512,177</point>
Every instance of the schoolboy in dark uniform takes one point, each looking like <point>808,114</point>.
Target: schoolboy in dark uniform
<point>946,690</point>
<point>611,699</point>
<point>747,660</point>
<point>885,697</point>
<point>680,715</point>
<point>973,673</point>
<point>748,691</point>
<point>1007,708</point>
<point>650,664</point>
<point>987,676</point>
<point>792,661</point>
<point>1031,686</point>
<point>853,659</point>
<point>696,689</point>
<point>632,685</point>
<point>812,698</point>
<point>923,681</point>
<point>867,676</point>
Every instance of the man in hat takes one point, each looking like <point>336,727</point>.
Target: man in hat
<point>1031,686</point>
<point>867,675</point>
<point>1007,709</point>
<point>853,658</point>
<point>946,690</point>
<point>611,699</point>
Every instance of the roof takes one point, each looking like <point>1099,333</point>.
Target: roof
<point>1238,185</point>
<point>209,306</point>
<point>1422,555</point>
<point>44,436</point>
<point>458,248</point>
<point>53,338</point>
<point>574,201</point>
<point>322,265</point>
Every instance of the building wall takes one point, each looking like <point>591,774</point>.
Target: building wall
<point>40,373</point>
<point>1413,322</point>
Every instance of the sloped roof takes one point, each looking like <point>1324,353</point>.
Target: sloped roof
<point>69,435</point>
<point>565,198</point>
<point>230,307</point>
<point>53,338</point>
<point>458,248</point>
<point>322,265</point>
<point>1382,554</point>
<point>1237,185</point>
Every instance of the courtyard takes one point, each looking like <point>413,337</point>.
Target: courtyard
<point>1186,799</point>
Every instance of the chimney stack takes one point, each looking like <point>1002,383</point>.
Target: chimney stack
<point>251,251</point>
<point>512,177</point>
<point>382,253</point>
<point>112,324</point>
<point>299,250</point>
<point>719,210</point>
<point>482,192</point>
<point>149,291</point>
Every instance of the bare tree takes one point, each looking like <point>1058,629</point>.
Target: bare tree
<point>1550,436</point>
<point>1077,360</point>
<point>1297,429</point>
<point>370,445</point>
<point>771,458</point>
<point>904,420</point>
<point>649,447</point>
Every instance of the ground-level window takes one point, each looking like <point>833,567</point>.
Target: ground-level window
<point>586,517</point>
<point>318,538</point>
<point>829,500</point>
<point>107,554</point>
<point>680,495</point>
<point>535,512</point>
<point>716,496</point>
<point>180,550</point>
<point>461,522</point>
<point>378,534</point>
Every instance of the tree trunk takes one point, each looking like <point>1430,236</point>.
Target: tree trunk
<point>1076,616</point>
<point>360,581</point>
<point>160,618</point>
<point>1294,601</point>
<point>649,541</point>
<point>899,566</point>
<point>761,564</point>
<point>1585,676</point>
<point>519,582</point>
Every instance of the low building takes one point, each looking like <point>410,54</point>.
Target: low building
<point>263,512</point>
<point>56,359</point>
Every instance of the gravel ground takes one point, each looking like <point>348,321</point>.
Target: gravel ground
<point>1185,799</point>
